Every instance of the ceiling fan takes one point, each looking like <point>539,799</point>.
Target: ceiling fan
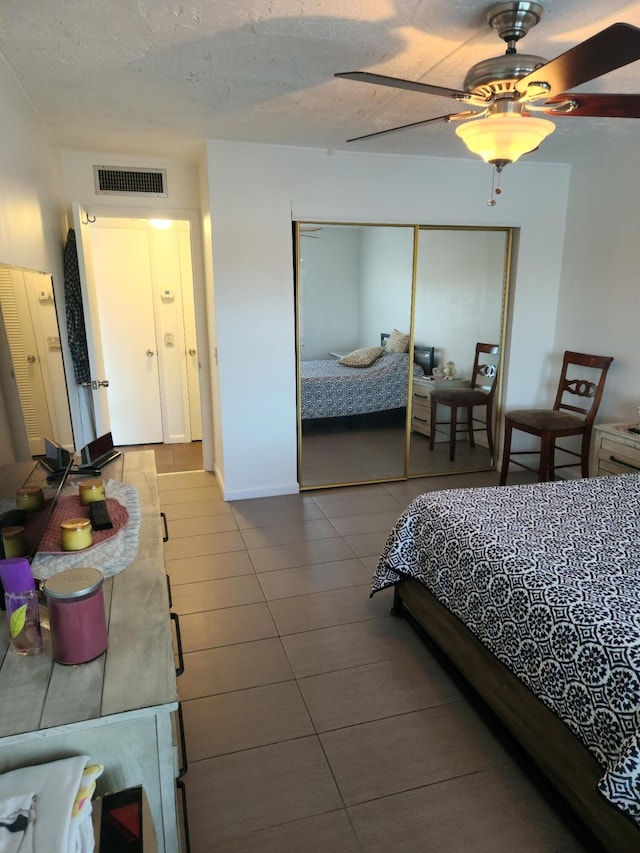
<point>308,232</point>
<point>501,93</point>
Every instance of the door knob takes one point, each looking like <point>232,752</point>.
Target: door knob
<point>192,351</point>
<point>31,359</point>
<point>150,352</point>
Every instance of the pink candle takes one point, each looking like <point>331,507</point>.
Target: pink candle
<point>76,615</point>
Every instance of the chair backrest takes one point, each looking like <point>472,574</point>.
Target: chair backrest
<point>485,370</point>
<point>582,383</point>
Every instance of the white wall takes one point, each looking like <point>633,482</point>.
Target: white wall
<point>330,290</point>
<point>459,292</point>
<point>599,307</point>
<point>31,201</point>
<point>387,276</point>
<point>255,191</point>
<point>212,451</point>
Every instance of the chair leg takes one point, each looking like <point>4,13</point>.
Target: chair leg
<point>452,432</point>
<point>506,452</point>
<point>545,466</point>
<point>472,442</point>
<point>489,417</point>
<point>584,455</point>
<point>432,428</point>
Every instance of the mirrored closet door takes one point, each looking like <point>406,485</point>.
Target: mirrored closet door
<point>378,306</point>
<point>460,300</point>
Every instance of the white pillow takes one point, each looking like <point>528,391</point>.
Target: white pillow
<point>364,357</point>
<point>397,342</point>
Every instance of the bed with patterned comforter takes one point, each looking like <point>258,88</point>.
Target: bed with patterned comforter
<point>547,577</point>
<point>333,390</point>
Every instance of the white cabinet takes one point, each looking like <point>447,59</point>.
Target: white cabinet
<point>615,449</point>
<point>421,404</point>
<point>119,708</point>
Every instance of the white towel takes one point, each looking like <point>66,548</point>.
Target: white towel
<point>57,785</point>
<point>17,815</point>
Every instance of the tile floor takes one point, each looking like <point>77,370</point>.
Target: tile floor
<point>316,721</point>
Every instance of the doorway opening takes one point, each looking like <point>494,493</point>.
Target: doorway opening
<point>141,317</point>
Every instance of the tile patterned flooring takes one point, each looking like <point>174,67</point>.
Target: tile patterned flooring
<point>315,721</point>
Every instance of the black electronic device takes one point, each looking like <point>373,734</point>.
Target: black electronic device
<point>56,458</point>
<point>97,453</point>
<point>99,515</point>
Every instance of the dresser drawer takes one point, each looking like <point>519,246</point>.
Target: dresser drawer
<point>421,425</point>
<point>617,457</point>
<point>421,408</point>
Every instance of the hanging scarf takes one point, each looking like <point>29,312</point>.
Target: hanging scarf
<point>75,315</point>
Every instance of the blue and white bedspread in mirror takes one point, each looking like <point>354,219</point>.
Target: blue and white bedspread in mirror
<point>547,576</point>
<point>332,390</point>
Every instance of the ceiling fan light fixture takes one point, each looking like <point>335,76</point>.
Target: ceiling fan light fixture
<point>504,137</point>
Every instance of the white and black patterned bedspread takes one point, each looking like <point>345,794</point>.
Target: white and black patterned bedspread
<point>332,390</point>
<point>547,576</point>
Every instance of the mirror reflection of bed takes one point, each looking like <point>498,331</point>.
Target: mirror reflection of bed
<point>355,282</point>
<point>360,401</point>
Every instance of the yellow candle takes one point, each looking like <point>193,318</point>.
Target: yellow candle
<point>30,498</point>
<point>14,542</point>
<point>92,490</point>
<point>76,534</point>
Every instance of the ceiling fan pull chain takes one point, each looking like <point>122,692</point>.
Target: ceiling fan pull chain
<point>495,190</point>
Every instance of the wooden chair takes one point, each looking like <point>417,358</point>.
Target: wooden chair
<point>484,380</point>
<point>576,404</point>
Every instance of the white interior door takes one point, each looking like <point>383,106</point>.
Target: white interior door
<point>97,400</point>
<point>127,327</point>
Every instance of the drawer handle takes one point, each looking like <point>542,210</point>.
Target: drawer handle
<point>183,744</point>
<point>626,464</point>
<point>169,591</point>
<point>163,516</point>
<point>180,667</point>
<point>185,819</point>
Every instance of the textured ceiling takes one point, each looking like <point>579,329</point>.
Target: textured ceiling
<point>157,77</point>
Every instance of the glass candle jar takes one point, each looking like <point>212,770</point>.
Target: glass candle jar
<point>23,613</point>
<point>91,490</point>
<point>14,542</point>
<point>30,498</point>
<point>76,615</point>
<point>76,534</point>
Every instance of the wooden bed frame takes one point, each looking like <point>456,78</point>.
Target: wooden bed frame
<point>560,756</point>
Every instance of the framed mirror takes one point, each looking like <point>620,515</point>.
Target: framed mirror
<point>378,307</point>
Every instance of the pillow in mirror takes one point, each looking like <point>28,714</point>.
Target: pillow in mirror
<point>364,357</point>
<point>397,342</point>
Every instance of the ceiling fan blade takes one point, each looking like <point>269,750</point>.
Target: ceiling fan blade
<point>470,114</point>
<point>612,48</point>
<point>410,85</point>
<point>607,106</point>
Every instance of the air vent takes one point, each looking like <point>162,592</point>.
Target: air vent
<point>132,181</point>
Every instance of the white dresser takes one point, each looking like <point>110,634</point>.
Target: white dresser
<point>421,403</point>
<point>615,449</point>
<point>118,709</point>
